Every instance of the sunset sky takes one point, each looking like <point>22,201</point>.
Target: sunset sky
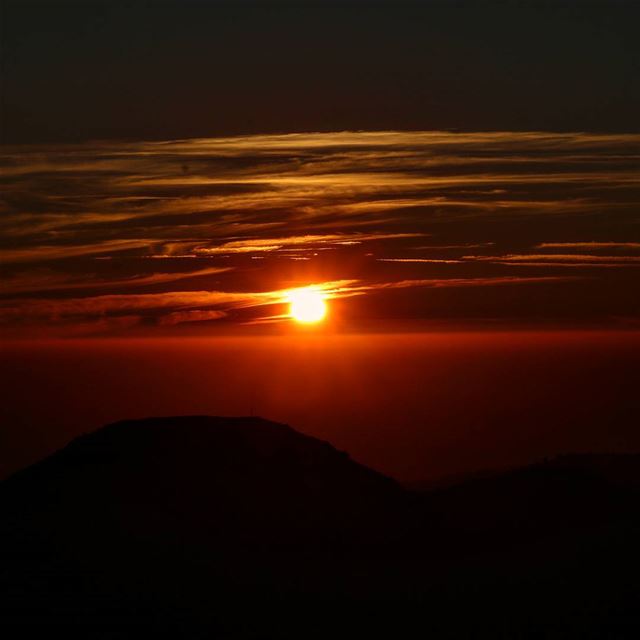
<point>424,227</point>
<point>459,181</point>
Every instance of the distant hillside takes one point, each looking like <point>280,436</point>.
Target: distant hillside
<point>244,528</point>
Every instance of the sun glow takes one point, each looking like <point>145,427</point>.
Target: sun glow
<point>307,305</point>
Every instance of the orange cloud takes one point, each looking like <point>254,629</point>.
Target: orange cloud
<point>588,245</point>
<point>559,259</point>
<point>58,252</point>
<point>427,260</point>
<point>47,280</point>
<point>298,195</point>
<point>251,245</point>
<point>194,315</point>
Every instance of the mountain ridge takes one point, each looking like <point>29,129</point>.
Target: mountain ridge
<point>204,516</point>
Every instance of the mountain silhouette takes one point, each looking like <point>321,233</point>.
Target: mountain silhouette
<point>244,528</point>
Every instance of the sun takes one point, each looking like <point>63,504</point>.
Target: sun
<point>307,305</point>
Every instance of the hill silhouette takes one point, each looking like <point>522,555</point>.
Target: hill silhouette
<point>243,528</point>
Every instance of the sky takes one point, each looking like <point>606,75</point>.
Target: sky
<point>459,180</point>
<point>396,229</point>
<point>419,407</point>
<point>75,70</point>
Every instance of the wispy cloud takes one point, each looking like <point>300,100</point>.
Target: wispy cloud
<point>439,283</point>
<point>44,253</point>
<point>193,315</point>
<point>86,220</point>
<point>54,309</point>
<point>186,306</point>
<point>588,245</point>
<point>256,245</point>
<point>48,280</point>
<point>559,259</point>
<point>419,260</point>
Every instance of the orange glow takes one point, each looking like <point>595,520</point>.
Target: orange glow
<point>307,305</point>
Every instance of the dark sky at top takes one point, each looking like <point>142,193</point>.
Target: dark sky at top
<point>180,68</point>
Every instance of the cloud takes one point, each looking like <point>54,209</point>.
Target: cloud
<point>446,247</point>
<point>253,245</point>
<point>47,280</point>
<point>83,220</point>
<point>559,259</point>
<point>52,309</point>
<point>437,283</point>
<point>62,251</point>
<point>194,315</point>
<point>419,260</point>
<point>185,306</point>
<point>588,245</point>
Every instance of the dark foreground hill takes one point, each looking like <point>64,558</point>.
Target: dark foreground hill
<point>200,527</point>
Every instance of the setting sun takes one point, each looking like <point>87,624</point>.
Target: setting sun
<point>307,305</point>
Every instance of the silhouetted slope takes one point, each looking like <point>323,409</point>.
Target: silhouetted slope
<point>578,491</point>
<point>241,527</point>
<point>210,469</point>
